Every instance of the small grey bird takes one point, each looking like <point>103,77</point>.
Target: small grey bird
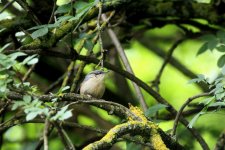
<point>93,84</point>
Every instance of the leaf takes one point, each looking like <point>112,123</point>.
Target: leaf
<point>80,6</point>
<point>152,110</point>
<point>208,37</point>
<point>88,45</point>
<point>221,61</point>
<point>223,70</point>
<point>66,115</point>
<point>221,48</point>
<point>212,44</point>
<point>62,114</point>
<point>193,81</point>
<point>202,49</point>
<point>220,96</point>
<point>217,104</point>
<point>220,34</point>
<point>201,76</point>
<point>63,8</point>
<point>31,115</point>
<point>199,79</point>
<point>27,98</point>
<point>81,9</point>
<point>65,88</point>
<point>192,122</point>
<point>206,101</point>
<point>32,61</point>
<point>64,18</point>
<point>40,32</point>
<point>5,46</point>
<point>15,55</point>
<point>17,104</point>
<point>38,27</point>
<point>29,58</point>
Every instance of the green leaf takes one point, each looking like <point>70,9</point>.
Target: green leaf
<point>220,34</point>
<point>66,115</point>
<point>223,70</point>
<point>62,114</point>
<point>221,48</point>
<point>56,24</point>
<point>207,100</point>
<point>212,44</point>
<point>81,9</point>
<point>199,79</point>
<point>217,104</point>
<point>27,98</point>
<point>88,45</point>
<point>40,32</point>
<point>201,76</point>
<point>32,61</point>
<point>29,58</point>
<point>80,6</point>
<point>17,104</point>
<point>221,61</point>
<point>32,115</point>
<point>65,88</point>
<point>220,96</point>
<point>38,27</point>
<point>208,37</point>
<point>15,55</point>
<point>5,46</point>
<point>192,122</point>
<point>203,48</point>
<point>152,110</point>
<point>64,18</point>
<point>63,8</point>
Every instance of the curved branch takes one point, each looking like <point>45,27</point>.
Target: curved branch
<point>168,57</point>
<point>111,137</point>
<point>182,108</point>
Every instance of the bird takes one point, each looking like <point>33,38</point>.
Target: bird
<point>93,84</point>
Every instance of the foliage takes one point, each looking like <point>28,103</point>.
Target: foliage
<point>217,100</point>
<point>214,42</point>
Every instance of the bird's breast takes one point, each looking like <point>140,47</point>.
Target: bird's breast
<point>93,87</point>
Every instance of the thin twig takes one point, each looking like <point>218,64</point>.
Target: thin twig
<point>45,134</point>
<point>7,5</point>
<point>27,8</point>
<point>68,145</point>
<point>55,84</point>
<point>126,64</point>
<point>182,108</point>
<point>99,34</point>
<point>156,82</point>
<point>173,61</point>
<point>41,141</point>
<point>68,73</point>
<point>28,73</point>
<point>53,12</point>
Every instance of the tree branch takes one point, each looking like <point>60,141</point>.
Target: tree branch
<point>126,63</point>
<point>182,108</point>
